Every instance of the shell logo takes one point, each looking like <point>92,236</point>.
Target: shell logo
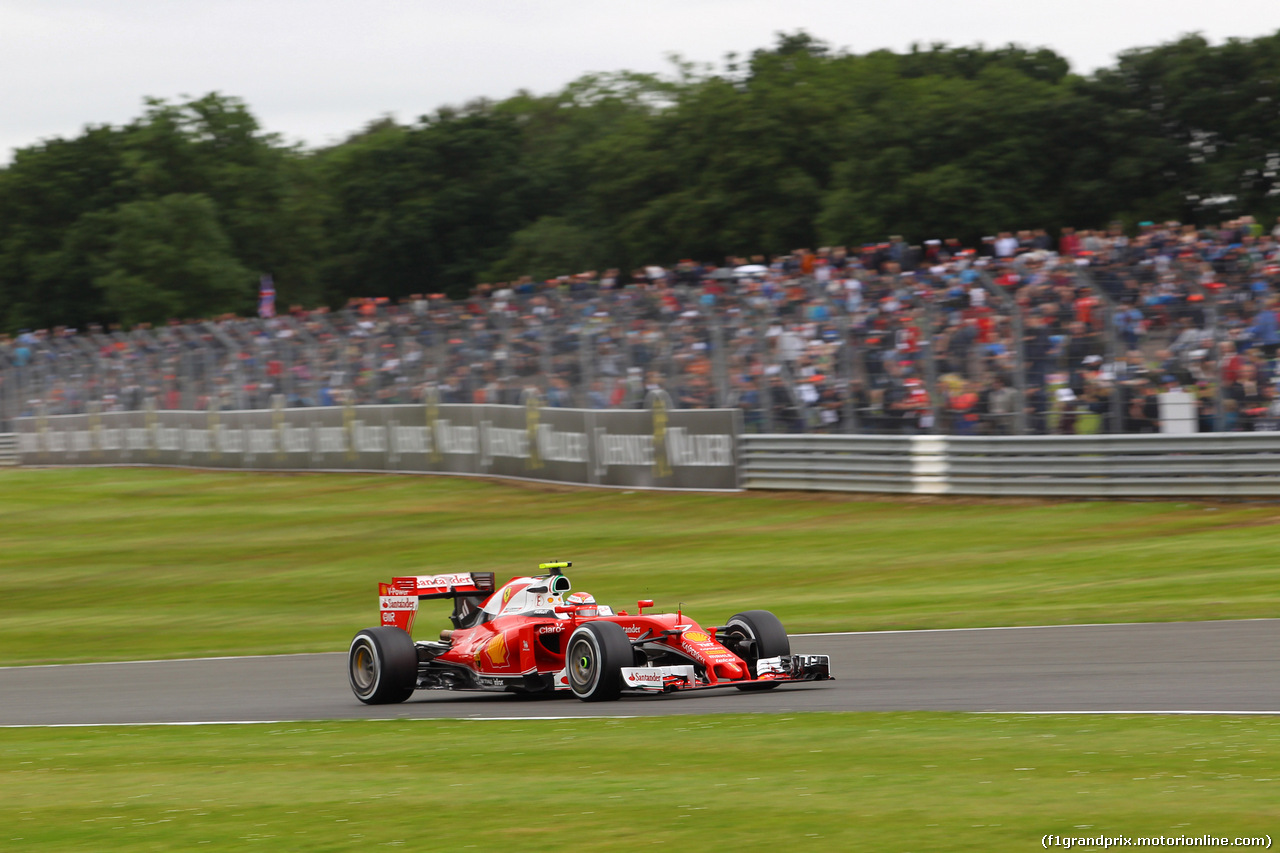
<point>696,637</point>
<point>497,650</point>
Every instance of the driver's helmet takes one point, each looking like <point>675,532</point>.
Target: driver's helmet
<point>585,601</point>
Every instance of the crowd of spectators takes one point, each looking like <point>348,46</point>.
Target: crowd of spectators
<point>1019,333</point>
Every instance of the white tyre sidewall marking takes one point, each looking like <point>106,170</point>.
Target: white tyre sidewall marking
<point>595,650</point>
<point>377,662</point>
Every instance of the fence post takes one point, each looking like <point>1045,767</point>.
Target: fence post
<point>1113,347</point>
<point>766,396</point>
<point>586,362</point>
<point>846,371</point>
<point>1009,304</point>
<point>1215,351</point>
<point>719,360</point>
<point>1219,406</point>
<point>931,364</point>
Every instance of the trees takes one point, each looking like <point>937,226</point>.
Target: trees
<point>172,215</point>
<point>1204,122</point>
<point>168,257</point>
<point>424,207</point>
<point>178,212</point>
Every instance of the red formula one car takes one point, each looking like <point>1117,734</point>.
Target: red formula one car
<point>533,636</point>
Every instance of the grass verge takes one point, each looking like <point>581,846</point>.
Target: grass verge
<point>113,564</point>
<point>876,782</point>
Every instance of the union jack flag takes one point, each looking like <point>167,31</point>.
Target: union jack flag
<point>266,298</point>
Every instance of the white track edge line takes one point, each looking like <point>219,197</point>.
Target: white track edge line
<point>563,718</point>
<point>318,722</point>
<point>167,660</point>
<point>1035,627</point>
<point>1169,713</point>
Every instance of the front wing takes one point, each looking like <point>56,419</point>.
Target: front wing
<point>776,670</point>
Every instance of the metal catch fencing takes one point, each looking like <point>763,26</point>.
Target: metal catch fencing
<point>1044,348</point>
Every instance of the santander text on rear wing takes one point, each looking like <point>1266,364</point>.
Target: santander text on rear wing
<point>398,600</point>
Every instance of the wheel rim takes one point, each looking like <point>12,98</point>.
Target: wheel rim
<point>582,664</point>
<point>749,657</point>
<point>364,670</point>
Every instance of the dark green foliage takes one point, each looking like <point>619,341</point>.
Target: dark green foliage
<point>165,258</point>
<point>177,213</point>
<point>173,215</point>
<point>425,207</point>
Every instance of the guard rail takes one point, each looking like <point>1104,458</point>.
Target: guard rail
<point>1205,465</point>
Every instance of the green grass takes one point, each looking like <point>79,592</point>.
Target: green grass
<point>874,782</point>
<point>106,564</point>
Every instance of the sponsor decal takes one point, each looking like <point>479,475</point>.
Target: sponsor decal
<point>497,650</point>
<point>461,440</point>
<point>650,677</point>
<point>394,602</point>
<point>695,651</point>
<point>702,451</point>
<point>503,442</point>
<point>625,449</point>
<point>506,595</point>
<point>556,446</point>
<point>551,629</point>
<point>436,581</point>
<point>696,637</point>
<point>634,629</point>
<point>388,618</point>
<point>655,678</point>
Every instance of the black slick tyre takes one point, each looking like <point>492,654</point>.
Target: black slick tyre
<point>758,634</point>
<point>593,660</point>
<point>382,665</point>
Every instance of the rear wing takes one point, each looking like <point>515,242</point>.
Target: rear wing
<point>398,600</point>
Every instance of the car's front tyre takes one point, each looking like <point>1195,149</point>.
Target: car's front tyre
<point>594,658</point>
<point>382,665</point>
<point>756,634</point>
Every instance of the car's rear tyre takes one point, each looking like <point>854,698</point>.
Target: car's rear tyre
<point>382,665</point>
<point>593,660</point>
<point>759,634</point>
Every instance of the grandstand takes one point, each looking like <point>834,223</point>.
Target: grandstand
<point>1170,329</point>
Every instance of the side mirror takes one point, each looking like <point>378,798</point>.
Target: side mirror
<point>643,603</point>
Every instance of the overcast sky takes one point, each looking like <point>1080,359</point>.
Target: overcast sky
<point>317,70</point>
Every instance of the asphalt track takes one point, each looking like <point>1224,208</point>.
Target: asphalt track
<point>1169,667</point>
